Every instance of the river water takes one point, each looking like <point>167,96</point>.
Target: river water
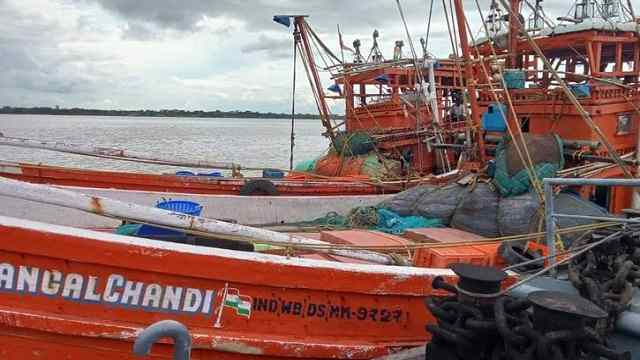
<point>249,142</point>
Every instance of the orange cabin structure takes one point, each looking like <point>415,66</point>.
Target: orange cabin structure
<point>385,101</point>
<point>601,67</point>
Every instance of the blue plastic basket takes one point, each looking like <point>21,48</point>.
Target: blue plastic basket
<point>515,79</point>
<point>581,90</point>
<point>211,174</point>
<point>184,173</point>
<point>272,174</point>
<point>180,206</point>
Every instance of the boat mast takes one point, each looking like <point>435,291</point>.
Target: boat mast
<point>314,78</point>
<point>469,74</point>
<point>514,35</point>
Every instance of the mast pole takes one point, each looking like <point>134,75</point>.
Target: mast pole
<point>469,74</point>
<point>514,60</point>
<point>514,32</point>
<point>296,40</point>
<point>316,84</point>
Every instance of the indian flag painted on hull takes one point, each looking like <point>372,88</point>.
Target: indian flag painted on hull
<point>241,303</point>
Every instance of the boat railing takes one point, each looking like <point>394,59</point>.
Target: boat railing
<point>551,216</point>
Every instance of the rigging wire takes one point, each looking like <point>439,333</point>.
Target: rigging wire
<point>442,153</point>
<point>528,162</point>
<point>529,165</point>
<point>454,48</point>
<point>541,12</point>
<point>563,261</point>
<point>322,44</point>
<point>293,97</point>
<point>576,103</point>
<point>426,46</point>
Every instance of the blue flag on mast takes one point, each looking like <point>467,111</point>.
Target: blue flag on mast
<point>283,20</point>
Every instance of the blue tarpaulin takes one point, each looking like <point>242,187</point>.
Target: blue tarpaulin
<point>335,88</point>
<point>382,79</point>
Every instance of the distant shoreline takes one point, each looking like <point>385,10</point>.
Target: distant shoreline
<point>153,113</point>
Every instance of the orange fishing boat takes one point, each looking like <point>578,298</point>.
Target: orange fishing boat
<point>81,294</point>
<point>192,184</point>
<point>296,184</point>
<point>88,294</point>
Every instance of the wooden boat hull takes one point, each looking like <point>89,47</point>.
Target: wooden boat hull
<point>63,176</point>
<point>77,294</point>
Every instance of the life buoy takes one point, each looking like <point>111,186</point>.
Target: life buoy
<point>259,187</point>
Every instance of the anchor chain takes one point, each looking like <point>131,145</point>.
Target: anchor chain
<point>607,275</point>
<point>484,325</point>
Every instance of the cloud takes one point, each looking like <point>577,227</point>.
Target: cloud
<point>274,47</point>
<point>34,63</point>
<point>139,31</point>
<point>192,54</point>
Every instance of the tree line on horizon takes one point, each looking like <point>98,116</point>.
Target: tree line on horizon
<point>153,113</point>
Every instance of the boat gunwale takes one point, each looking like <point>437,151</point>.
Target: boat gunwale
<point>381,279</point>
<point>189,180</point>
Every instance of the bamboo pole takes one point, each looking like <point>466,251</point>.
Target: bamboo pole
<point>470,77</point>
<point>122,210</point>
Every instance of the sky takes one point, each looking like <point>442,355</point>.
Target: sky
<point>190,54</point>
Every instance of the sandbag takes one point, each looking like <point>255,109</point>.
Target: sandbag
<point>477,212</point>
<point>440,203</point>
<point>404,203</point>
<point>515,213</point>
<point>571,204</point>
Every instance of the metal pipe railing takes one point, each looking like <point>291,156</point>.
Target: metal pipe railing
<point>551,216</point>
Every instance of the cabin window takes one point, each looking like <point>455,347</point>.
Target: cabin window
<point>524,122</point>
<point>609,67</point>
<point>628,66</point>
<point>624,124</point>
